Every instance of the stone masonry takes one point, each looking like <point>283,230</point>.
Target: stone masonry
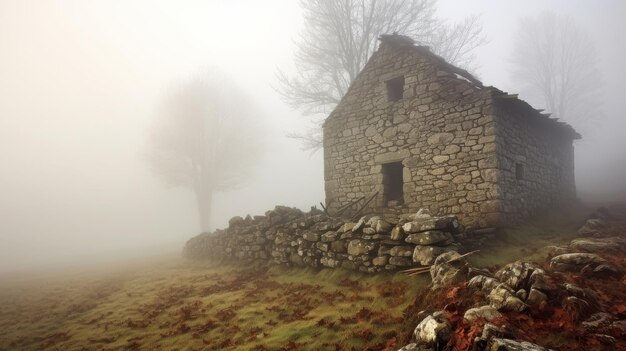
<point>288,236</point>
<point>422,133</point>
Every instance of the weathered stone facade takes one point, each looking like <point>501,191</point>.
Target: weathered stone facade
<point>454,146</point>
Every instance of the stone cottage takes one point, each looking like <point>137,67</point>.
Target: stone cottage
<point>421,133</point>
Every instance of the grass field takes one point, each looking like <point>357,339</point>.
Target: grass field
<point>180,306</point>
<point>170,304</point>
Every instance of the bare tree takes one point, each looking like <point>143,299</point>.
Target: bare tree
<point>555,61</point>
<point>339,36</point>
<point>205,139</point>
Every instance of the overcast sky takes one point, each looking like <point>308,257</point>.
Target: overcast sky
<point>79,85</point>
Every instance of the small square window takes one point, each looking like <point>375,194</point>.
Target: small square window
<point>519,171</point>
<point>395,88</point>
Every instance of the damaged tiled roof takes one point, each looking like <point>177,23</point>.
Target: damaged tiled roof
<point>511,100</point>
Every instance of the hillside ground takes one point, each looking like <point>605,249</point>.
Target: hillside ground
<point>171,304</point>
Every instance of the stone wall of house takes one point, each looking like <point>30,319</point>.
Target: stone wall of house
<point>288,236</point>
<point>442,130</point>
<point>543,156</point>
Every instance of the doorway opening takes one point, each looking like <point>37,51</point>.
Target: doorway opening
<point>393,183</point>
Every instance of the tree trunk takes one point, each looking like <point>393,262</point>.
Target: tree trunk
<point>204,198</point>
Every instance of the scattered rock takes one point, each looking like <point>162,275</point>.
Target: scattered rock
<point>516,274</point>
<point>443,273</point>
<point>486,313</point>
<point>575,261</point>
<point>536,298</point>
<point>503,298</point>
<point>434,330</point>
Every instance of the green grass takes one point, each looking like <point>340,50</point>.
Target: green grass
<point>242,308</point>
<point>529,241</point>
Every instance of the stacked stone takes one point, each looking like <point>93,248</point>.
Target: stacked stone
<point>291,237</point>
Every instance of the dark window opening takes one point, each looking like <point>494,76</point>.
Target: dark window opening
<point>395,88</point>
<point>519,171</point>
<point>393,183</point>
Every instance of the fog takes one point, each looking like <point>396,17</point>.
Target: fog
<point>80,82</point>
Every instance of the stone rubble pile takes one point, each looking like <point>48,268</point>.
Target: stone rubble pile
<point>526,288</point>
<point>291,237</point>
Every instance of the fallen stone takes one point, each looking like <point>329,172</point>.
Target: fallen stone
<point>503,298</point>
<point>433,330</point>
<point>486,313</point>
<point>540,280</point>
<point>444,274</point>
<point>575,261</point>
<point>483,283</point>
<point>536,298</point>
<point>516,274</point>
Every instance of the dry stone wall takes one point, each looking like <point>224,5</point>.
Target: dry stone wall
<point>442,130</point>
<point>291,237</point>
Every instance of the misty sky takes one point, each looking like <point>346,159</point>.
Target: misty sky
<point>79,87</point>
